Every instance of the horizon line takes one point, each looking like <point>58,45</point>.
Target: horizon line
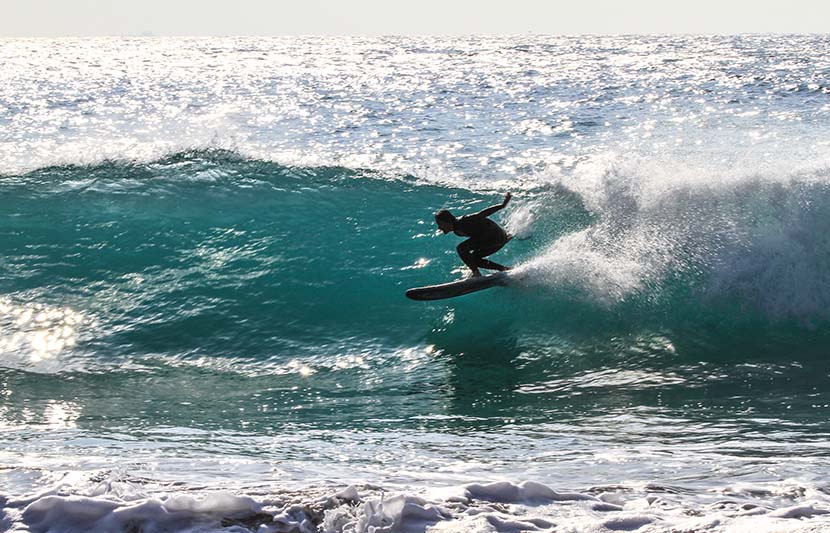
<point>150,34</point>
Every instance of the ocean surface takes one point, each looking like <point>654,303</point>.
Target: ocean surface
<point>205,243</point>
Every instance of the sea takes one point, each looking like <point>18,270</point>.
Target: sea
<point>205,245</point>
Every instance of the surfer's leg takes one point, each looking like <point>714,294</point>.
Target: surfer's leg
<point>481,252</point>
<point>491,265</point>
<point>467,254</point>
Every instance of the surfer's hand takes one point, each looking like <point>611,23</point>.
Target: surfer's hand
<point>507,198</point>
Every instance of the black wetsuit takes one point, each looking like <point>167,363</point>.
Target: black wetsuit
<point>485,238</point>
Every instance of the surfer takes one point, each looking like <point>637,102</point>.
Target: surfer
<point>486,237</point>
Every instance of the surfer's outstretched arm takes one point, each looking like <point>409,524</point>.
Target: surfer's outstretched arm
<point>493,208</point>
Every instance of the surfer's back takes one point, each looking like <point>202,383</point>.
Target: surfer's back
<point>477,225</point>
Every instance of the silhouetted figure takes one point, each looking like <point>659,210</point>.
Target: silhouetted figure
<point>485,236</point>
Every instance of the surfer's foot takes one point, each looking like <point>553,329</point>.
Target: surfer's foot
<point>475,274</point>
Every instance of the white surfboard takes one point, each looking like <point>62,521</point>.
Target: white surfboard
<point>458,288</point>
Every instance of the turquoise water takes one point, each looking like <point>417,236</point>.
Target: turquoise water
<point>205,244</point>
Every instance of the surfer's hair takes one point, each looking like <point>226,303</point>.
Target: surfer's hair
<point>444,216</point>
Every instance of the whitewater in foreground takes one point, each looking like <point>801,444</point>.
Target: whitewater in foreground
<point>205,244</point>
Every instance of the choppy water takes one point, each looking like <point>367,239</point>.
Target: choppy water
<point>204,245</point>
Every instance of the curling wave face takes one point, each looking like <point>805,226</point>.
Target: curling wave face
<point>177,278</point>
<point>213,254</point>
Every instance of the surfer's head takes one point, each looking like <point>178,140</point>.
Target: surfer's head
<point>445,220</point>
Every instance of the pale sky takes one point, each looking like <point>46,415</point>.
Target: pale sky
<point>414,17</point>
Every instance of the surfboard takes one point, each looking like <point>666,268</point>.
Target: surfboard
<point>459,287</point>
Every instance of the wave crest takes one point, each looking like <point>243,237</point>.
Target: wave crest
<point>211,251</point>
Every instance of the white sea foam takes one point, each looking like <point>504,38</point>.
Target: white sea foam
<point>498,506</point>
<point>758,237</point>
